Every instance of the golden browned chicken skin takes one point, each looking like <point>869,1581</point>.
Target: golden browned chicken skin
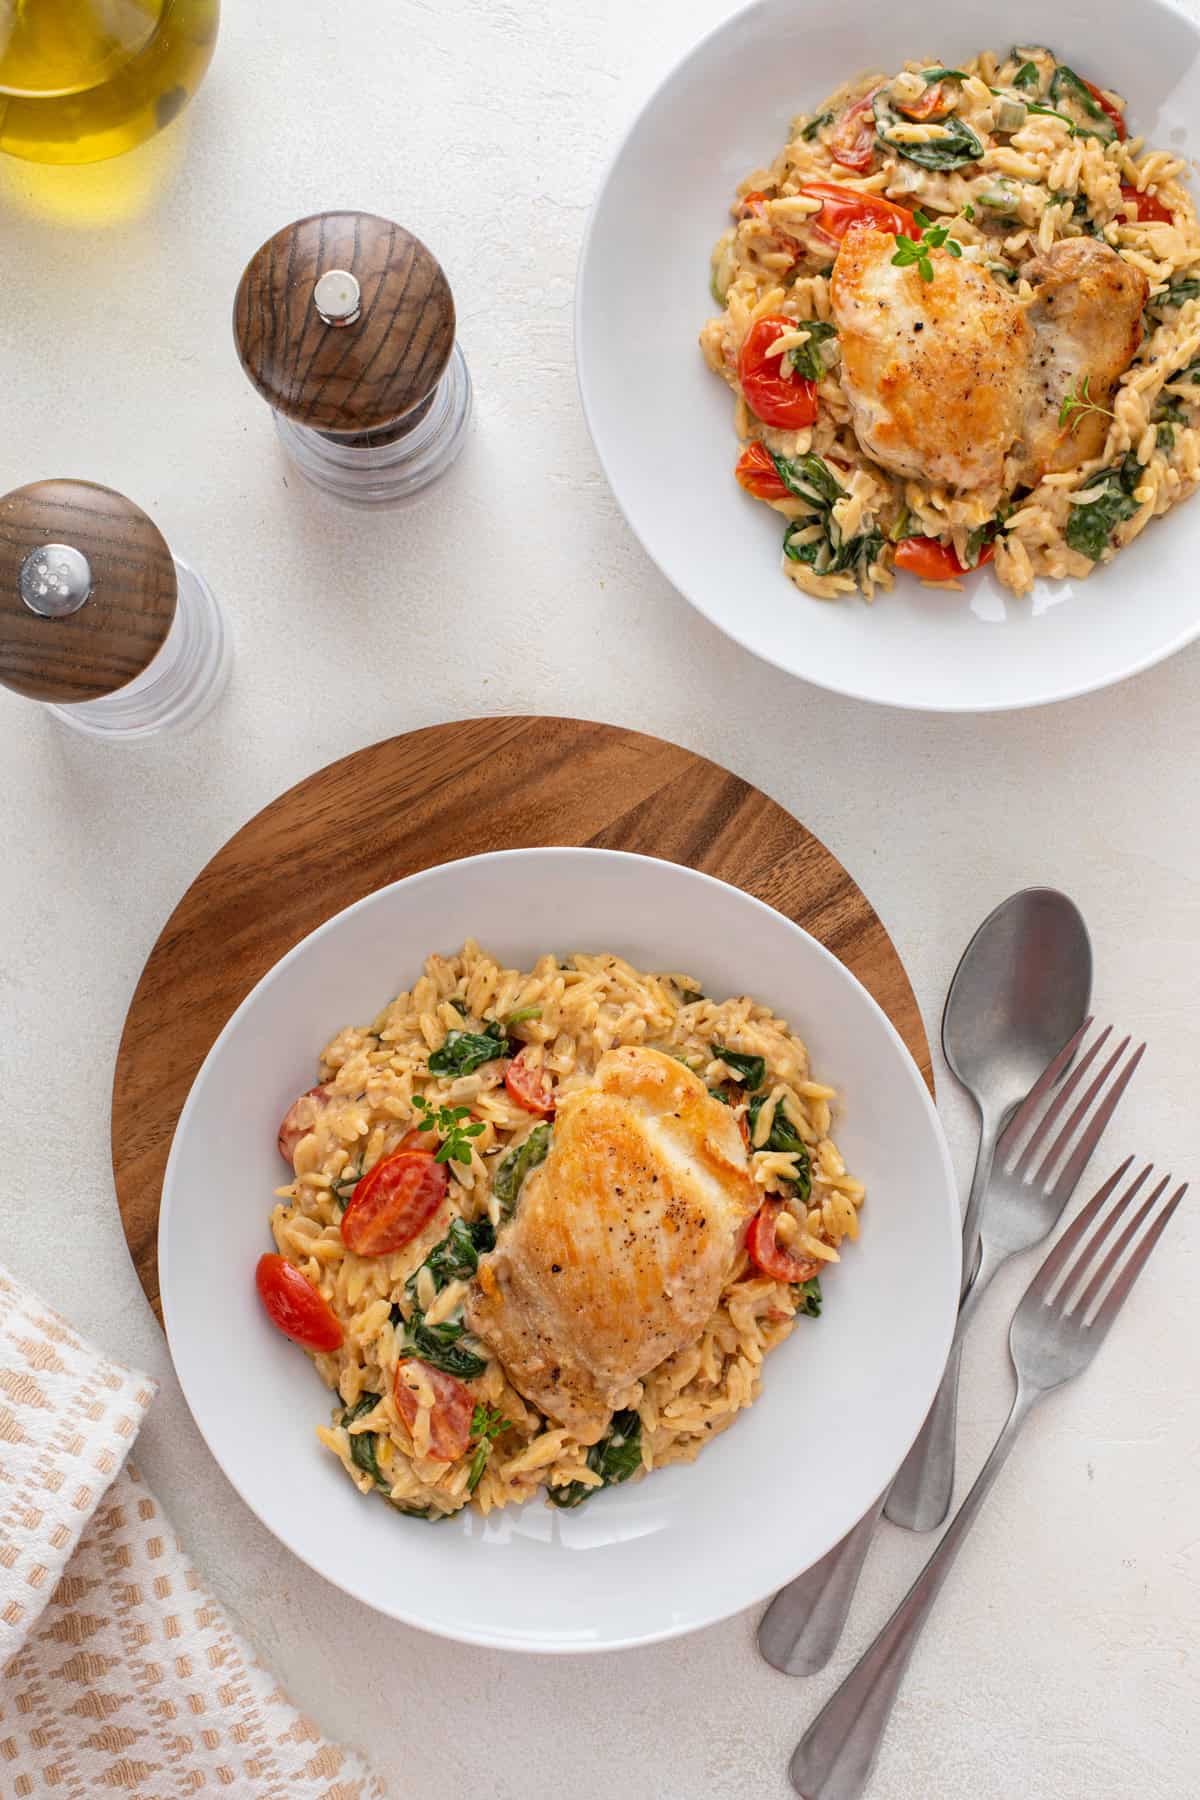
<point>622,1239</point>
<point>948,379</point>
<point>933,370</point>
<point>1087,325</point>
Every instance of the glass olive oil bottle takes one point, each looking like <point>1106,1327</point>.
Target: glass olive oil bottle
<point>81,80</point>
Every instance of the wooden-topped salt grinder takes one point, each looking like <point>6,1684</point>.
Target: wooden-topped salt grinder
<point>121,639</point>
<point>344,323</point>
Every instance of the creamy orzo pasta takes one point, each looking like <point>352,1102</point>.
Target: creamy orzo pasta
<point>452,1160</point>
<point>961,318</point>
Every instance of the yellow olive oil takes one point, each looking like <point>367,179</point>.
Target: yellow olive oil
<point>81,80</point>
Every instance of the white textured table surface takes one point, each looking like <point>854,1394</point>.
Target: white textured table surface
<point>1063,1661</point>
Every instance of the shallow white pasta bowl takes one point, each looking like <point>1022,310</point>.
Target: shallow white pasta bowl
<point>662,422</point>
<point>843,1397</point>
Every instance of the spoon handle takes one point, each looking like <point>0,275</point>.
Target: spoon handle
<point>989,1137</point>
<point>800,1629</point>
<point>920,1496</point>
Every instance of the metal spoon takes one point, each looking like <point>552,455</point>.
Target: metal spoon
<point>1020,991</point>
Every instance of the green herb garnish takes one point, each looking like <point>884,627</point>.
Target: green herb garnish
<point>784,1137</point>
<point>1090,524</point>
<point>916,250</point>
<point>750,1070</point>
<point>465,1051</point>
<point>447,1121</point>
<point>814,125</point>
<point>507,1181</point>
<point>486,1425</point>
<point>1076,406</point>
<point>968,212</point>
<point>1028,78</point>
<point>615,1458</point>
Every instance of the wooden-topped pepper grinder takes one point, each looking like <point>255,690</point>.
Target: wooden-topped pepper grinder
<point>344,323</point>
<point>99,620</point>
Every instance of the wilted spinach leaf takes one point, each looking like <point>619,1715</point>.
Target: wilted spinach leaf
<point>506,1184</point>
<point>465,1051</point>
<point>783,1136</point>
<point>615,1458</point>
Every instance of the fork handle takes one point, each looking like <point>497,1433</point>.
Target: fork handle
<point>800,1629</point>
<point>835,1757</point>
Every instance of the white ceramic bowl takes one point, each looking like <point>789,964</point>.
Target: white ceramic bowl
<point>843,1398</point>
<point>662,422</point>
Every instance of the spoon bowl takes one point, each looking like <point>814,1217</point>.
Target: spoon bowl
<point>1020,991</point>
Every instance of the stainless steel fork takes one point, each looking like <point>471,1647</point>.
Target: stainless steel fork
<point>1024,1204</point>
<point>1057,1329</point>
<point>801,1628</point>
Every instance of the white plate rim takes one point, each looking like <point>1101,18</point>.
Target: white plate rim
<point>484,1638</point>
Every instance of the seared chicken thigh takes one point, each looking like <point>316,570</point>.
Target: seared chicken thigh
<point>1087,324</point>
<point>933,370</point>
<point>622,1240</point>
<point>947,378</point>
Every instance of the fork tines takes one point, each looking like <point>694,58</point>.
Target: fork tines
<point>1071,1283</point>
<point>1030,1111</point>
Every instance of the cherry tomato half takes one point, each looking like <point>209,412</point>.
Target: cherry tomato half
<point>934,103</point>
<point>294,1305</point>
<point>934,561</point>
<point>773,393</point>
<point>529,1085</point>
<point>752,206</point>
<point>1147,208</point>
<point>299,1120</point>
<point>843,207</point>
<point>1114,112</point>
<point>451,1414</point>
<point>393,1201</point>
<point>768,1254</point>
<point>852,140</point>
<point>756,472</point>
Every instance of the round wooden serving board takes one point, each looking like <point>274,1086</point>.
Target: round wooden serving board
<point>430,797</point>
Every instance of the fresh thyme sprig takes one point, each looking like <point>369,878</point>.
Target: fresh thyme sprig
<point>1080,404</point>
<point>916,250</point>
<point>447,1121</point>
<point>487,1422</point>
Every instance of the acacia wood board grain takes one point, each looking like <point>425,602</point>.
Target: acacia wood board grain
<point>429,797</point>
